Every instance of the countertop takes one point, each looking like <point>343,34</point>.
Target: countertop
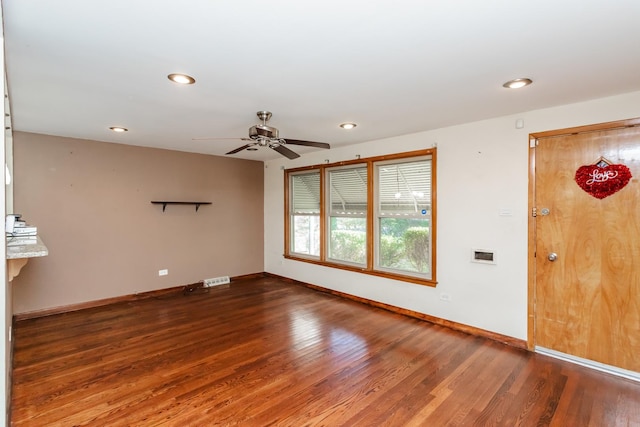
<point>30,250</point>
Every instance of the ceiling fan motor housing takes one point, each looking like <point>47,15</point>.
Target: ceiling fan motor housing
<point>267,136</point>
<point>263,131</point>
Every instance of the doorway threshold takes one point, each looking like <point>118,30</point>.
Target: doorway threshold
<point>613,370</point>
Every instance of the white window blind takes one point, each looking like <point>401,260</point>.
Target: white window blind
<point>348,191</point>
<point>305,193</point>
<point>404,188</point>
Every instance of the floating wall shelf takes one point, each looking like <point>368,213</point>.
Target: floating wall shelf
<point>165,203</point>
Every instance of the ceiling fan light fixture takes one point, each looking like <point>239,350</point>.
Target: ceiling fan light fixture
<point>348,125</point>
<point>118,129</point>
<point>517,83</point>
<point>181,79</point>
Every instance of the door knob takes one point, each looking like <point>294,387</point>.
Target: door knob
<point>552,256</point>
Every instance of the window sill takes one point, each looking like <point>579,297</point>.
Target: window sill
<point>384,274</point>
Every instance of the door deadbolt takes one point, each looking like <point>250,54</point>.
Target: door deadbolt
<point>552,256</point>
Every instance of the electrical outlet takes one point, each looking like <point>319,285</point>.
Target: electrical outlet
<point>163,272</point>
<point>445,297</point>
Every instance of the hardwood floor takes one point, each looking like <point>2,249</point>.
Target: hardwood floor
<point>263,352</point>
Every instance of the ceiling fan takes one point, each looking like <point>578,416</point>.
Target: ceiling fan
<point>267,136</point>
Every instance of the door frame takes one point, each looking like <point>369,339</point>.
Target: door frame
<point>531,255</point>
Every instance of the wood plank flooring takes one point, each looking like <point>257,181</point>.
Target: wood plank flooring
<point>262,352</point>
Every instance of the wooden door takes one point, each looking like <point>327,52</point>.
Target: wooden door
<point>587,301</point>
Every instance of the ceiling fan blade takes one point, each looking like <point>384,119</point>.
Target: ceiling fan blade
<point>239,149</point>
<point>286,152</point>
<point>307,143</point>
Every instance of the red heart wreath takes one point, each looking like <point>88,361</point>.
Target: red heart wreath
<point>602,180</point>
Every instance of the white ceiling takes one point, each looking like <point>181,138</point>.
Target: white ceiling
<point>76,67</point>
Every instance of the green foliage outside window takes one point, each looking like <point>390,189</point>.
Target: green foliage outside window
<point>349,245</point>
<point>416,245</point>
<point>348,239</point>
<point>404,244</point>
<point>391,251</point>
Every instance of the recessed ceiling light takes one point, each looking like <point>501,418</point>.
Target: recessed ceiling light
<point>348,126</point>
<point>517,83</point>
<point>118,129</point>
<point>182,79</point>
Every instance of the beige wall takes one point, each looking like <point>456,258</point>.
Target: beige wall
<point>91,203</point>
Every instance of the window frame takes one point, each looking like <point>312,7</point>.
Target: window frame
<point>371,218</point>
<point>378,216</point>
<point>292,215</point>
<point>329,214</point>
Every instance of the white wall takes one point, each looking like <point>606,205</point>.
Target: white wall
<point>482,169</point>
<point>5,297</point>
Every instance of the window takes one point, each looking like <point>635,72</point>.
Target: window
<point>375,216</point>
<point>347,215</point>
<point>305,213</point>
<point>402,216</point>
